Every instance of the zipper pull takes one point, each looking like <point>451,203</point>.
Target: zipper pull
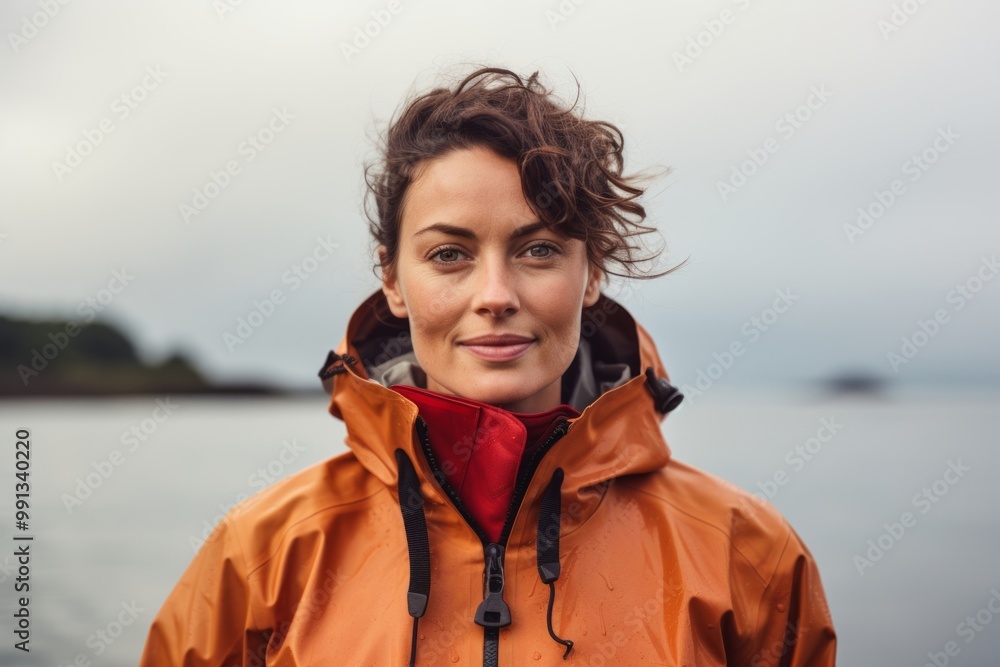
<point>493,612</point>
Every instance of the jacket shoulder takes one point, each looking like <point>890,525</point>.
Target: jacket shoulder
<point>220,608</point>
<point>305,501</point>
<point>786,615</point>
<point>714,508</point>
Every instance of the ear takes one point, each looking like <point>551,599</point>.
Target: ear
<point>390,287</point>
<point>593,291</point>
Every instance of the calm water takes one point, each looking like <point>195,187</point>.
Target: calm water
<point>126,544</point>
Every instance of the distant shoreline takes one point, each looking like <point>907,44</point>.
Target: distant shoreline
<point>62,358</point>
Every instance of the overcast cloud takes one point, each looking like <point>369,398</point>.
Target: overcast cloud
<point>873,86</point>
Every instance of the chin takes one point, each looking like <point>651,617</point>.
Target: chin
<point>499,392</point>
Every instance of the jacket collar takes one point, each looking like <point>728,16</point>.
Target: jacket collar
<point>618,431</point>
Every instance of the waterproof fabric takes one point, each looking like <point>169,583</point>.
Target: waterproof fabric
<point>661,563</point>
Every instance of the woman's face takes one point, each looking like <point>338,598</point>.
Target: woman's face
<point>471,263</point>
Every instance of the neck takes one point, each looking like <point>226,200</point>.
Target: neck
<point>546,399</point>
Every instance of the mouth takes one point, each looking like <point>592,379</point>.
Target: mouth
<point>498,348</point>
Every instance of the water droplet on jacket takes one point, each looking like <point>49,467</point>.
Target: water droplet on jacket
<point>607,581</point>
<point>781,607</point>
<point>454,657</point>
<point>536,656</point>
<point>423,636</point>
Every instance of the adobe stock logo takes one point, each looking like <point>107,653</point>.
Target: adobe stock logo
<point>30,26</point>
<point>704,39</point>
<point>787,126</point>
<point>915,167</point>
<point>122,107</point>
<point>381,18</point>
<point>970,626</point>
<point>562,13</point>
<point>88,309</point>
<point>798,456</point>
<point>296,276</point>
<point>752,328</point>
<point>923,500</point>
<point>928,329</point>
<point>254,144</point>
<point>900,16</point>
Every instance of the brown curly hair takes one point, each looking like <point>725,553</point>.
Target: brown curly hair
<point>571,167</point>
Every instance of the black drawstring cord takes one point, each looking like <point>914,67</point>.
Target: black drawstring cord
<point>411,504</point>
<point>547,547</point>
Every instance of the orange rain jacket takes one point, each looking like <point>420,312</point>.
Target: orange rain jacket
<point>631,555</point>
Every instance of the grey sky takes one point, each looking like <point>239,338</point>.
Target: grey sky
<point>878,98</point>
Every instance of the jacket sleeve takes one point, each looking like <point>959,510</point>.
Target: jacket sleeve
<point>206,621</point>
<point>794,627</point>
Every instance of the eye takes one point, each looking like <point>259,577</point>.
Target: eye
<point>547,246</point>
<point>452,255</point>
<point>449,253</point>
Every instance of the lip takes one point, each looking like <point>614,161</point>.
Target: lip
<point>505,347</point>
<point>497,339</point>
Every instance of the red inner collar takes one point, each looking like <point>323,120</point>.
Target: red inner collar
<point>479,447</point>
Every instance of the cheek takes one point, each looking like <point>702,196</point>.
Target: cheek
<point>561,308</point>
<point>559,301</point>
<point>432,315</point>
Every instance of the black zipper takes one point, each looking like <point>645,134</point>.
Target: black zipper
<point>526,472</point>
<point>493,612</point>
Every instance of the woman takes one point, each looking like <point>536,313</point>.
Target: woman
<point>504,424</point>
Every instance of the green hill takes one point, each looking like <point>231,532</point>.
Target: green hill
<point>62,358</point>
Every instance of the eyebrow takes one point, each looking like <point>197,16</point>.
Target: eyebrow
<point>464,232</point>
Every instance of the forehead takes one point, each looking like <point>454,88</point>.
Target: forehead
<point>473,186</point>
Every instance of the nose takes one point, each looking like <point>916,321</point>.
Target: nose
<point>496,293</point>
